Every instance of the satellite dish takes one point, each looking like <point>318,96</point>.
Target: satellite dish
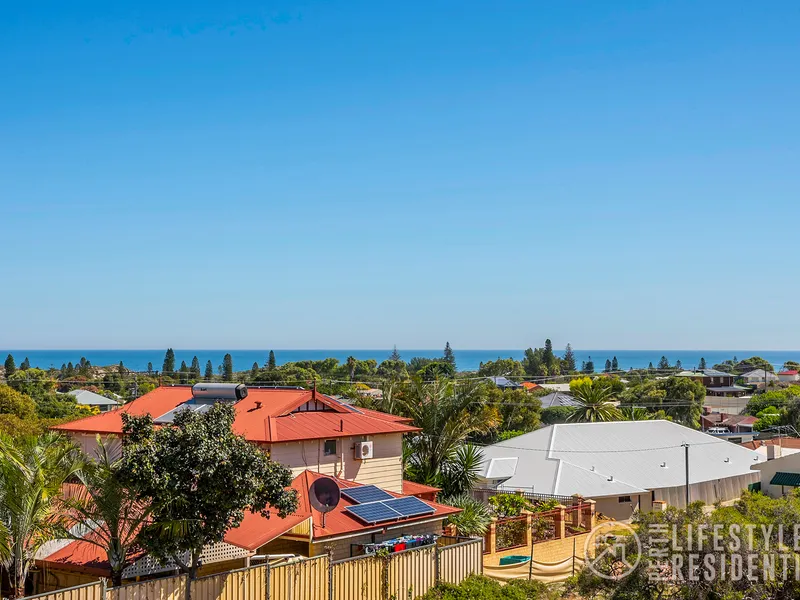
<point>324,495</point>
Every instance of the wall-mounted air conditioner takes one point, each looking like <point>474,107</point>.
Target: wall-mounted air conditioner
<point>363,450</point>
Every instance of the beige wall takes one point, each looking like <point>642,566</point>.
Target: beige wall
<point>787,464</point>
<point>611,507</point>
<point>88,443</point>
<point>341,548</point>
<point>385,469</point>
<point>722,490</point>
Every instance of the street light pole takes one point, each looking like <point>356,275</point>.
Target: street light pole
<point>686,459</point>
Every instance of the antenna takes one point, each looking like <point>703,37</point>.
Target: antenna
<point>324,495</point>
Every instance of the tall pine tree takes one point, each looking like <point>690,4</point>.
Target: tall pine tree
<point>608,366</point>
<point>25,365</point>
<point>227,368</point>
<point>169,363</point>
<point>679,365</point>
<point>209,371</point>
<point>569,360</point>
<point>663,364</point>
<point>614,364</point>
<point>449,357</point>
<point>149,368</point>
<point>702,363</point>
<point>589,366</point>
<point>254,370</point>
<point>195,370</point>
<point>184,372</point>
<point>395,355</point>
<point>271,364</point>
<point>10,366</point>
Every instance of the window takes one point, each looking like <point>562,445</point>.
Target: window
<point>624,499</point>
<point>330,447</point>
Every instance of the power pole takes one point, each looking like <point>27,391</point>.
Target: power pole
<point>686,459</point>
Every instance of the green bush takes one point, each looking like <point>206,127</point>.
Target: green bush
<point>509,505</point>
<point>478,587</point>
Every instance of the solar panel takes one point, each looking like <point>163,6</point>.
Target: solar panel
<point>409,506</point>
<point>169,417</point>
<point>374,512</point>
<point>365,493</point>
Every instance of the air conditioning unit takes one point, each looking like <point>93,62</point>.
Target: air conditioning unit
<point>363,450</point>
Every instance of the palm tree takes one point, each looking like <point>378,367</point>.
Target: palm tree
<point>636,413</point>
<point>105,512</point>
<point>474,518</point>
<point>448,414</point>
<point>351,367</point>
<point>593,405</point>
<point>32,471</point>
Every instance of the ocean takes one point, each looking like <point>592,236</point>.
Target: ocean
<point>466,360</point>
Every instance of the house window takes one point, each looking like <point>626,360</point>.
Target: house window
<point>330,447</point>
<point>624,499</point>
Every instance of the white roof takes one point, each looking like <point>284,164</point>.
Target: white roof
<point>760,374</point>
<point>559,387</point>
<point>88,398</point>
<point>617,458</point>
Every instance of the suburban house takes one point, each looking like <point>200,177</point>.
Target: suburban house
<point>717,383</point>
<point>789,376</point>
<point>775,447</point>
<point>88,398</point>
<point>530,386</point>
<point>504,383</point>
<point>313,435</point>
<point>558,399</point>
<point>781,474</point>
<point>623,465</point>
<point>759,378</point>
<point>739,428</point>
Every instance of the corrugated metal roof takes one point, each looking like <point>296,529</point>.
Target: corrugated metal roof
<point>558,399</point>
<point>787,479</point>
<point>272,421</point>
<point>601,459</point>
<point>87,398</point>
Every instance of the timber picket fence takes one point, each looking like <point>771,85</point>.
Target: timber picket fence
<point>403,575</point>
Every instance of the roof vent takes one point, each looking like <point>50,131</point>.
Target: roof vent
<point>232,392</point>
<point>611,478</point>
<point>593,468</point>
<point>727,459</point>
<point>663,465</point>
<point>258,404</point>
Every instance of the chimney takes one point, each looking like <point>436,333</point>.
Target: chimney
<point>258,404</point>
<point>773,452</point>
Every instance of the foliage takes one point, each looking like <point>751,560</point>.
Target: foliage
<point>478,587</point>
<point>510,534</point>
<point>681,398</point>
<point>107,509</point>
<point>509,505</point>
<point>392,369</point>
<point>556,414</point>
<point>198,477</point>
<point>62,406</point>
<point>519,410</point>
<point>593,404</point>
<point>459,473</point>
<point>769,417</point>
<point>568,362</point>
<point>507,367</point>
<point>15,403</point>
<point>9,366</point>
<point>448,414</point>
<point>32,382</point>
<point>168,367</point>
<point>776,398</point>
<point>32,471</point>
<point>474,518</point>
<point>541,361</point>
<point>448,355</point>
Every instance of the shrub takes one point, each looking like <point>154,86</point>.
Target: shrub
<point>509,505</point>
<point>474,518</point>
<point>478,587</point>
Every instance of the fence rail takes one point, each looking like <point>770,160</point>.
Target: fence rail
<point>406,575</point>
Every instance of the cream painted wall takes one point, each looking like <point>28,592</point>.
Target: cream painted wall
<point>384,470</point>
<point>787,464</point>
<point>88,443</point>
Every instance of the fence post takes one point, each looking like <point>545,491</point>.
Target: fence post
<point>103,588</point>
<point>268,578</point>
<point>436,566</point>
<point>574,548</point>
<point>330,578</point>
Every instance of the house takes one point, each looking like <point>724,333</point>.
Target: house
<point>775,447</point>
<point>781,474</point>
<point>623,465</point>
<point>312,434</point>
<point>87,398</point>
<point>530,386</point>
<point>760,378</point>
<point>558,399</point>
<point>717,383</point>
<point>504,383</point>
<point>739,427</point>
<point>789,376</point>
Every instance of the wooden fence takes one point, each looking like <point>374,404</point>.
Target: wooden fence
<point>403,575</point>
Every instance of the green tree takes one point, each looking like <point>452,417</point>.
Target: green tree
<point>519,410</point>
<point>702,364</point>
<point>198,478</point>
<point>449,357</point>
<point>13,402</point>
<point>227,368</point>
<point>679,365</point>
<point>588,367</point>
<point>60,406</point>
<point>502,367</point>
<point>271,364</point>
<point>614,364</point>
<point>447,414</point>
<point>607,368</point>
<point>789,365</point>
<point>149,368</point>
<point>106,510</point>
<point>10,366</point>
<point>351,367</point>
<point>36,383</point>
<point>395,355</point>
<point>184,372</point>
<point>392,369</point>
<point>254,370</point>
<point>32,471</point>
<point>663,364</point>
<point>553,415</point>
<point>25,364</point>
<point>195,368</point>
<point>569,360</point>
<point>474,518</point>
<point>169,363</point>
<point>209,374</point>
<point>594,405</point>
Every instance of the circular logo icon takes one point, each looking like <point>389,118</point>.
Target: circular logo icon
<point>607,550</point>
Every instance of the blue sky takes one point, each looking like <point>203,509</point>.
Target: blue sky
<point>362,174</point>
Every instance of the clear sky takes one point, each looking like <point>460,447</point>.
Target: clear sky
<point>362,174</point>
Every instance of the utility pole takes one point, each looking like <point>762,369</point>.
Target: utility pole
<point>686,459</point>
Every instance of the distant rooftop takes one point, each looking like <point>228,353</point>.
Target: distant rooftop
<point>87,398</point>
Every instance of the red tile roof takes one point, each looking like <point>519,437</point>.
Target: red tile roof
<point>274,421</point>
<point>85,557</point>
<point>530,385</point>
<point>793,443</point>
<point>411,488</point>
<point>789,372</point>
